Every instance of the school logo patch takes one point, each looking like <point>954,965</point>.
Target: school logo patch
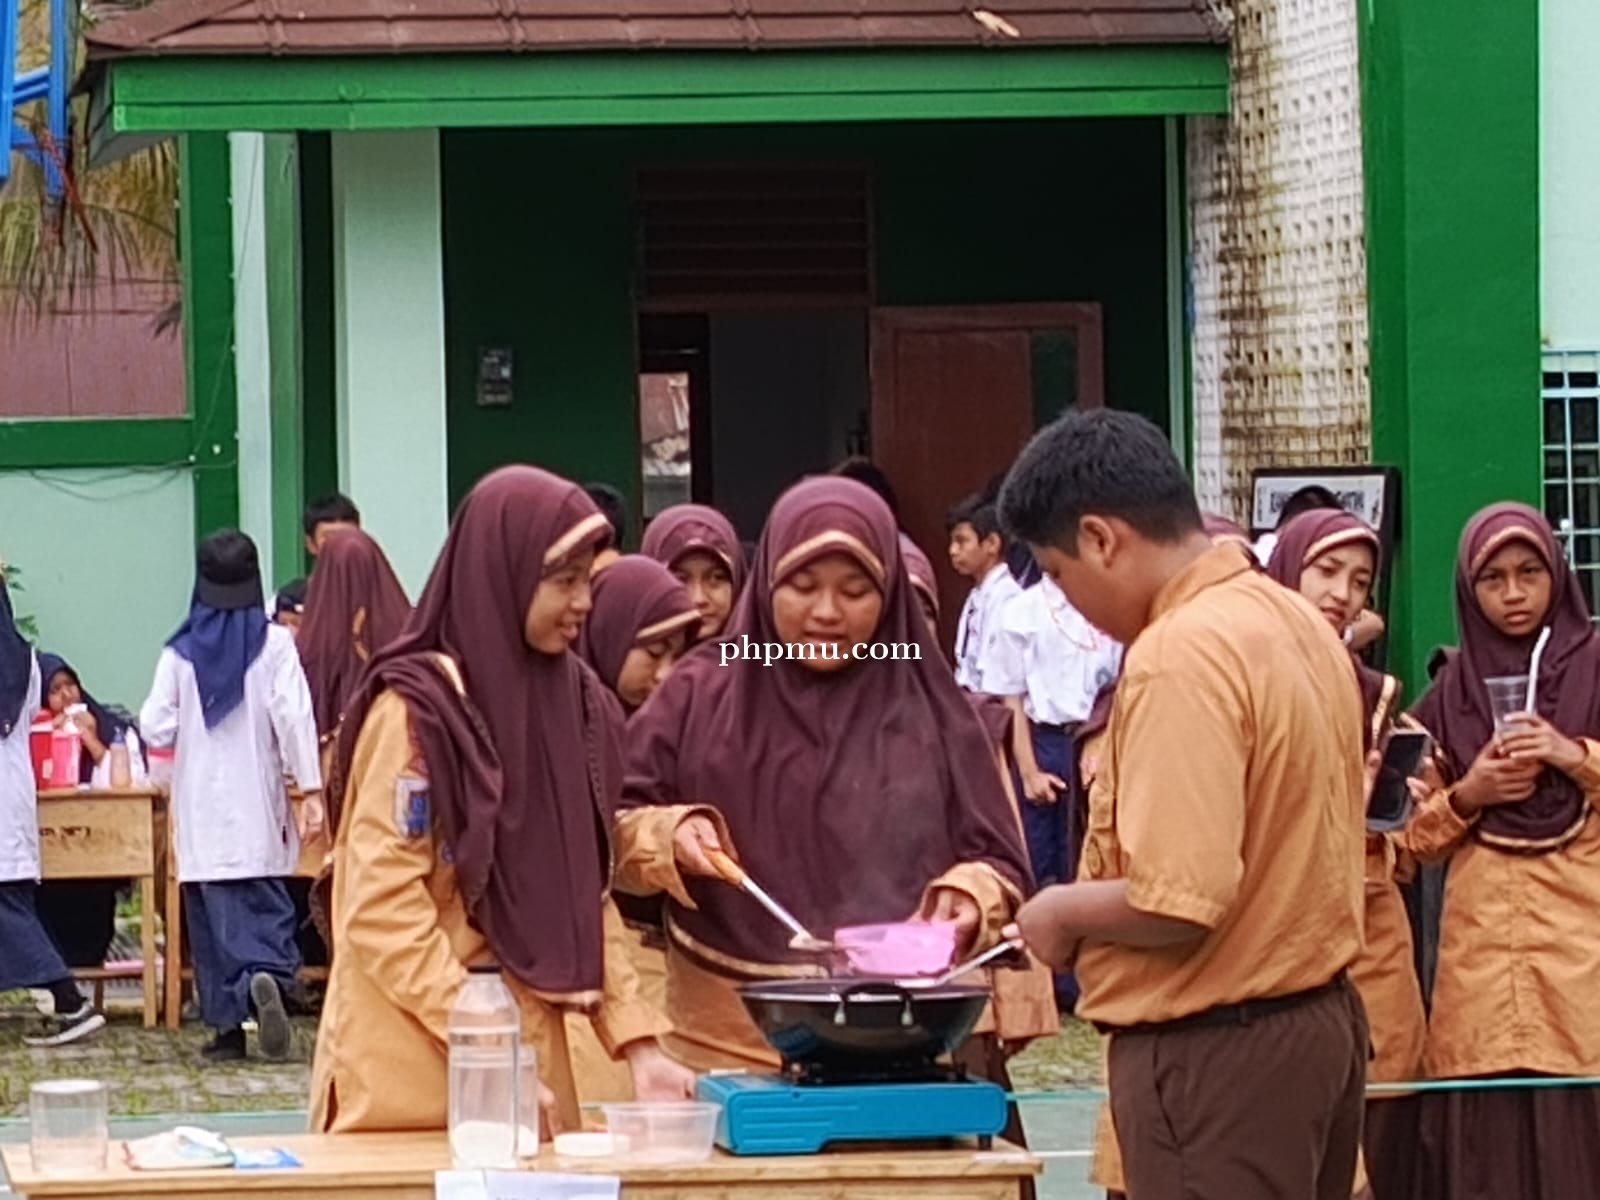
<point>413,814</point>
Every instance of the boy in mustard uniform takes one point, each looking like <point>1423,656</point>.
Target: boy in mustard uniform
<point>1219,902</point>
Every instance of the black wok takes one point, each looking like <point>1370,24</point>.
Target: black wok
<point>854,1026</point>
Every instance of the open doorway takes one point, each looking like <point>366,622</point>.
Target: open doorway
<point>768,397</point>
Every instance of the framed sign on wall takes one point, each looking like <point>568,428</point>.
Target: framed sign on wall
<point>1371,493</point>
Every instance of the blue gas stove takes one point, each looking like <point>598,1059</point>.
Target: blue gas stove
<point>775,1114</point>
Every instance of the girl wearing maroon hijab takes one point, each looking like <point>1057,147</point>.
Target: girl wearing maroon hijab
<point>643,621</point>
<point>477,778</point>
<point>1519,950</point>
<point>1331,558</point>
<point>854,791</point>
<point>354,607</point>
<point>700,546</point>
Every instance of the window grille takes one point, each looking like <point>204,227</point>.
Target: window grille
<point>1571,401</point>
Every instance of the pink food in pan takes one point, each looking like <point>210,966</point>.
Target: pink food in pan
<point>897,950</point>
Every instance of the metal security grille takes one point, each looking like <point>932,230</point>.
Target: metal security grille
<point>1571,398</point>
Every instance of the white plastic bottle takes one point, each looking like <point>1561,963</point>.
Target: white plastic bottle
<point>485,1029</point>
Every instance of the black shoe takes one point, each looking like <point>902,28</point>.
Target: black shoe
<point>272,1019</point>
<point>227,1046</point>
<point>62,1029</point>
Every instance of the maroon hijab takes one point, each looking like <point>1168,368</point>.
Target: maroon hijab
<point>522,768</point>
<point>636,600</point>
<point>1456,707</point>
<point>1221,529</point>
<point>354,607</point>
<point>845,794</point>
<point>687,528</point>
<point>1301,542</point>
<point>919,570</point>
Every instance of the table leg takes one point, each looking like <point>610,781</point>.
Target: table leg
<point>173,958</point>
<point>147,946</point>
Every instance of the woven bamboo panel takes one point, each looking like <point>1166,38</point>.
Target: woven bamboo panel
<point>1278,256</point>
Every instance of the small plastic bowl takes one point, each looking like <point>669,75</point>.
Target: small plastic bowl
<point>663,1134</point>
<point>899,950</point>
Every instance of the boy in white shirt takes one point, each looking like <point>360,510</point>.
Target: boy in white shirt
<point>978,553</point>
<point>1049,664</point>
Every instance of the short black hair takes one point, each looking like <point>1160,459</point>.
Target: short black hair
<point>869,474</point>
<point>335,507</point>
<point>1101,462</point>
<point>291,597</point>
<point>1308,499</point>
<point>979,511</point>
<point>612,507</point>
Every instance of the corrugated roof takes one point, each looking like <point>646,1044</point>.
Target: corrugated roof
<point>304,27</point>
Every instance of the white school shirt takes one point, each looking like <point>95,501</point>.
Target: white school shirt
<point>1047,653</point>
<point>229,797</point>
<point>975,633</point>
<point>19,800</point>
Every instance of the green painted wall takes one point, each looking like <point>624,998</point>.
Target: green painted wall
<point>1451,142</point>
<point>389,341</point>
<point>1570,174</point>
<point>205,245</point>
<point>539,245</point>
<point>106,561</point>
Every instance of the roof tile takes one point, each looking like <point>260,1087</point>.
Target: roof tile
<point>303,27</point>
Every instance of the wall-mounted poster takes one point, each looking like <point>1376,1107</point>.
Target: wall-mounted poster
<point>1369,492</point>
<point>1372,493</point>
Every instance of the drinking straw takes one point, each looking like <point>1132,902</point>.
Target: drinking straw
<point>1533,669</point>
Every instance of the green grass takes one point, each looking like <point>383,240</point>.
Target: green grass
<point>153,1070</point>
<point>1071,1059</point>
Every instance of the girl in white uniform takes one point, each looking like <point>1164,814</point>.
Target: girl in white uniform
<point>230,697</point>
<point>28,958</point>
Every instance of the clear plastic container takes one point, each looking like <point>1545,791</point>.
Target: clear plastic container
<point>527,1102</point>
<point>663,1133</point>
<point>68,1126</point>
<point>485,1030</point>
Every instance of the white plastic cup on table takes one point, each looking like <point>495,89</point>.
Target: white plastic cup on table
<point>68,1126</point>
<point>485,1031</point>
<point>1508,695</point>
<point>527,1102</point>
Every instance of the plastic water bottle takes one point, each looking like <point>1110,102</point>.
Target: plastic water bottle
<point>485,1029</point>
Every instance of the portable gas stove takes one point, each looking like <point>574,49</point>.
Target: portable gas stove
<point>861,1064</point>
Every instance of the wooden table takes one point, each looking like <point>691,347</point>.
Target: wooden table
<point>395,1166</point>
<point>113,834</point>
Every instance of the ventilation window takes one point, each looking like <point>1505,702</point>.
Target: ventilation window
<point>755,236</point>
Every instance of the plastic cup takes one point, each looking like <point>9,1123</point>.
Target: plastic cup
<point>1508,694</point>
<point>68,1126</point>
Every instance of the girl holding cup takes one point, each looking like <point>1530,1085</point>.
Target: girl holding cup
<point>1515,817</point>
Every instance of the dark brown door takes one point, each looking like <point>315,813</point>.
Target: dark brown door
<point>957,392</point>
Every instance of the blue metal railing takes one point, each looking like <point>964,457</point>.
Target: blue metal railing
<point>48,83</point>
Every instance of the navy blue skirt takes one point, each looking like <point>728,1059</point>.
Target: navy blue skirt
<point>28,958</point>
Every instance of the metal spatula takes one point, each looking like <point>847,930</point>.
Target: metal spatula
<point>960,969</point>
<point>803,940</point>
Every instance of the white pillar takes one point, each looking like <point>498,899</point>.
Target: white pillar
<point>389,341</point>
<point>251,340</point>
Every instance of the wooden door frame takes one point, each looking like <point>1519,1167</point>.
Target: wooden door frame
<point>1086,318</point>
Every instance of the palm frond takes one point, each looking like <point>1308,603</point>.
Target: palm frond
<point>51,257</point>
